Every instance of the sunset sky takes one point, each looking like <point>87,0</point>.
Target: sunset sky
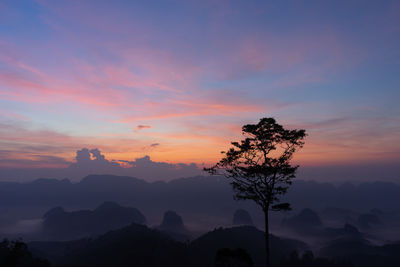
<point>176,80</point>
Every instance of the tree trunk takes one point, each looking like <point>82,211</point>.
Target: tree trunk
<point>267,254</point>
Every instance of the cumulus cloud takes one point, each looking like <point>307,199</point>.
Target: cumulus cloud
<point>92,161</point>
<point>148,169</point>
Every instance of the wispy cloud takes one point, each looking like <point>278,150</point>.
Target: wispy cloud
<point>92,73</point>
<point>141,127</point>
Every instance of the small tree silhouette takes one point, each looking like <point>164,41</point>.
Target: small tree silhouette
<point>227,257</point>
<point>259,166</point>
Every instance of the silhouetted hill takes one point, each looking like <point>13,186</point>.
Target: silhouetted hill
<point>208,198</point>
<point>242,217</point>
<point>347,231</point>
<point>172,224</point>
<point>134,245</point>
<point>137,245</point>
<point>103,183</point>
<point>247,237</point>
<point>368,220</point>
<point>382,195</point>
<point>16,254</point>
<point>93,187</point>
<point>306,222</point>
<point>362,253</point>
<point>61,225</point>
<point>339,215</point>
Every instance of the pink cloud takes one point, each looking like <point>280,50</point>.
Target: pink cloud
<point>192,108</point>
<point>123,70</point>
<point>23,142</point>
<point>140,69</point>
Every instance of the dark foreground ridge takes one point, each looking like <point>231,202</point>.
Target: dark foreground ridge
<point>347,232</point>
<point>138,245</point>
<point>61,225</point>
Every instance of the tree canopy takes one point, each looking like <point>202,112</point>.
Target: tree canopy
<point>259,165</point>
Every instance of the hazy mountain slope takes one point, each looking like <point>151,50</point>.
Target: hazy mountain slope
<point>61,225</point>
<point>201,200</point>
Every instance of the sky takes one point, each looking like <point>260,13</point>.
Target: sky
<point>172,82</point>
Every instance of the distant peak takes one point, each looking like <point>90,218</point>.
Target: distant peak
<point>54,211</point>
<point>242,217</point>
<point>172,222</point>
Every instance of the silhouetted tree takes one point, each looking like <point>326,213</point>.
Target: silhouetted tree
<point>259,166</point>
<point>227,257</point>
<point>16,254</point>
<point>308,260</point>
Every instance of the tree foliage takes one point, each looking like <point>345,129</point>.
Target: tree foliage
<point>259,165</point>
<point>227,257</point>
<point>16,254</point>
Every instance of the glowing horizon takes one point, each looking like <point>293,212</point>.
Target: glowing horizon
<point>177,80</point>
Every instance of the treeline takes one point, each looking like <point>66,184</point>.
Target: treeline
<point>16,254</point>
